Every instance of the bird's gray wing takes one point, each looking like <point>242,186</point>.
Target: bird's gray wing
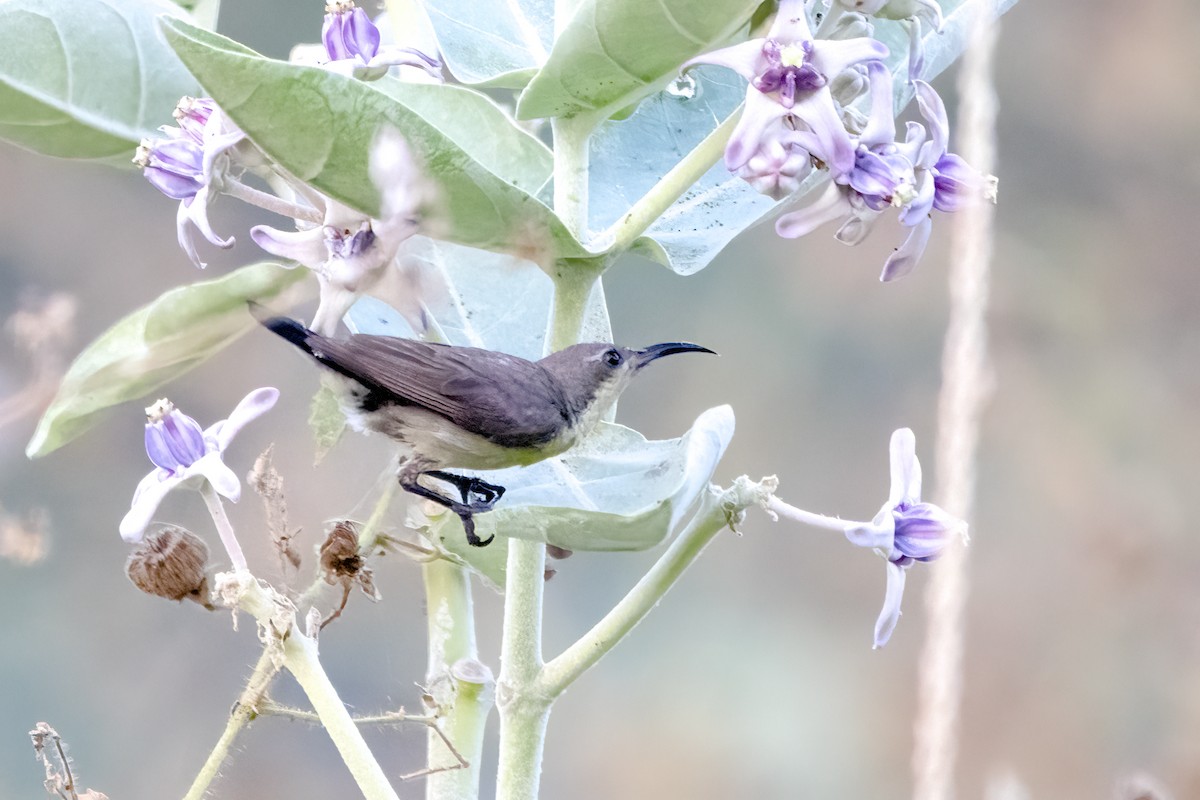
<point>508,400</point>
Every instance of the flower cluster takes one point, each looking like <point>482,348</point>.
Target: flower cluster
<point>347,250</point>
<point>798,118</point>
<point>189,164</point>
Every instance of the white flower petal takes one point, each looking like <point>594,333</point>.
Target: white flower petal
<point>890,615</point>
<point>831,205</point>
<point>146,499</point>
<point>222,478</point>
<point>307,247</point>
<point>252,406</point>
<point>880,534</point>
<point>746,59</point>
<point>908,254</point>
<point>906,469</point>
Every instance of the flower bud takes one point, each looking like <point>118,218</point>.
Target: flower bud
<point>169,562</point>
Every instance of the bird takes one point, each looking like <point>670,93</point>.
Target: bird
<point>468,408</point>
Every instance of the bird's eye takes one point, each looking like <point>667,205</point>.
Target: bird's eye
<point>613,358</point>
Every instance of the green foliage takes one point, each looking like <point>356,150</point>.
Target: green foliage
<point>155,344</point>
<point>86,78</point>
<point>615,52</point>
<point>319,125</point>
<point>493,44</point>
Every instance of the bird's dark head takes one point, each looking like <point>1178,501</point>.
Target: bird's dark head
<point>593,375</point>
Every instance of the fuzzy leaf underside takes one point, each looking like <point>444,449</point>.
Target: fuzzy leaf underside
<point>154,345</point>
<point>86,78</point>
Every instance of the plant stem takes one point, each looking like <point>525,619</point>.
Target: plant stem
<point>462,701</point>
<point>571,156</point>
<point>277,618</point>
<point>642,214</point>
<point>248,194</point>
<point>247,708</point>
<point>523,709</point>
<point>224,528</point>
<point>777,506</point>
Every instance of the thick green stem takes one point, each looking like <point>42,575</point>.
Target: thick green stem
<point>571,142</point>
<point>523,709</point>
<point>460,685</point>
<point>246,709</point>
<point>277,617</point>
<point>642,214</point>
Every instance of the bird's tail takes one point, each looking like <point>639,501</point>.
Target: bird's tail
<point>290,329</point>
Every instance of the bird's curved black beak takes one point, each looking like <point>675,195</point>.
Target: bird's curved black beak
<point>654,351</point>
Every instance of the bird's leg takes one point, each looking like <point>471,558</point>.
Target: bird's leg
<point>467,486</point>
<point>409,474</point>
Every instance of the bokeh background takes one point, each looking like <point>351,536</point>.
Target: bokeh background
<point>755,677</point>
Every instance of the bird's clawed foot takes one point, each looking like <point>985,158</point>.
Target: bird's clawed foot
<point>469,487</point>
<point>478,496</point>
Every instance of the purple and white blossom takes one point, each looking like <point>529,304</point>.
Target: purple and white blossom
<point>789,74</point>
<point>905,531</point>
<point>886,173</point>
<point>189,164</point>
<point>350,252</point>
<point>184,455</point>
<point>352,45</point>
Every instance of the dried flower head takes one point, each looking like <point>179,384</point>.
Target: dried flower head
<point>169,562</point>
<point>343,564</point>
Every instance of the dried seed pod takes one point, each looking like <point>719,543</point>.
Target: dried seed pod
<point>169,562</point>
<point>341,561</point>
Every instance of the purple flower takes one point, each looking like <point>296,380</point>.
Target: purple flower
<point>188,164</point>
<point>915,176</point>
<point>352,43</point>
<point>779,167</point>
<point>789,74</point>
<point>185,455</point>
<point>349,252</point>
<point>905,530</point>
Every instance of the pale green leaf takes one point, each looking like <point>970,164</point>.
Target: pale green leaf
<point>629,156</point>
<point>326,420</point>
<point>319,125</point>
<point>493,44</point>
<point>155,344</point>
<point>616,490</point>
<point>614,52</point>
<point>86,78</point>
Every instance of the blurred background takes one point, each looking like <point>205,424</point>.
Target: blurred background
<point>755,677</point>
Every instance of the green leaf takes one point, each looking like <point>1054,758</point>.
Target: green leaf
<point>155,344</point>
<point>616,490</point>
<point>615,52</point>
<point>493,44</point>
<point>326,419</point>
<point>86,78</point>
<point>319,125</point>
